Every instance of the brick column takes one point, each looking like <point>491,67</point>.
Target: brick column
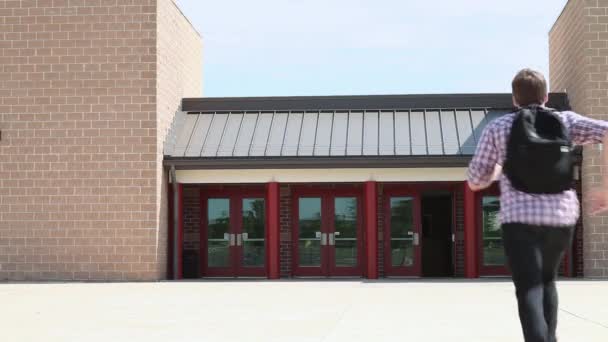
<point>371,229</point>
<point>274,232</point>
<point>470,234</point>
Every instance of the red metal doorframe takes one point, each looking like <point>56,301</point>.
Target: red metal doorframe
<point>234,194</point>
<point>416,189</point>
<point>326,193</point>
<point>173,273</point>
<point>405,191</point>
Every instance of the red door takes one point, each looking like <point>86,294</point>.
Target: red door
<point>327,232</point>
<point>233,234</point>
<point>402,233</point>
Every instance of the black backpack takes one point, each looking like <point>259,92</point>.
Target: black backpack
<point>539,152</point>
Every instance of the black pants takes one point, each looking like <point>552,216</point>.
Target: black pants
<point>534,254</point>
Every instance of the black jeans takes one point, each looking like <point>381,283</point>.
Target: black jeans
<point>534,254</point>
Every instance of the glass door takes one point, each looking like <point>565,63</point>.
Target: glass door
<point>220,238</point>
<point>327,230</point>
<point>344,237</point>
<point>233,234</point>
<point>492,256</point>
<point>311,236</point>
<point>402,234</point>
<point>251,237</point>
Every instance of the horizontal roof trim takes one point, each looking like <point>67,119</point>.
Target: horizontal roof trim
<point>360,102</point>
<point>316,162</point>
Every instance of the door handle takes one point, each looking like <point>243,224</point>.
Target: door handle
<point>239,239</point>
<point>323,239</point>
<point>332,239</point>
<point>245,236</point>
<point>416,239</point>
<point>232,239</point>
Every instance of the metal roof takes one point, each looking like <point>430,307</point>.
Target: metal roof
<point>312,130</point>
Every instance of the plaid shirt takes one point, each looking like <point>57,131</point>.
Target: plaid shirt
<point>519,207</point>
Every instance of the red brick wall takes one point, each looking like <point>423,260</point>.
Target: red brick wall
<point>459,232</point>
<point>381,214</point>
<point>286,236</point>
<point>192,218</point>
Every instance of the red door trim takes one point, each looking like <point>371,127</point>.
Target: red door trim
<point>235,195</point>
<point>180,236</point>
<point>326,193</point>
<point>416,269</point>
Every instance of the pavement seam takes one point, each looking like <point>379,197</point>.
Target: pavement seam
<point>584,318</point>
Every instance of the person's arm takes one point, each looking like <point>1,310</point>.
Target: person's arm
<point>483,169</point>
<point>495,176</point>
<point>584,131</point>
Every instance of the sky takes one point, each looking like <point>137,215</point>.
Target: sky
<point>364,47</point>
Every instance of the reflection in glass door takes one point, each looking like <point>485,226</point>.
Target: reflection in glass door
<point>252,248</point>
<point>493,261</point>
<point>219,236</point>
<point>310,232</point>
<point>234,232</point>
<point>344,236</point>
<point>402,231</point>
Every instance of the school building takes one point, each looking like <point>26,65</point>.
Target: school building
<point>113,167</point>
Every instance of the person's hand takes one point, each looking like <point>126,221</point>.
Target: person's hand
<point>497,172</point>
<point>598,201</point>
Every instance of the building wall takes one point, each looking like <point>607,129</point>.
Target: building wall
<point>179,75</point>
<point>79,154</point>
<point>578,45</point>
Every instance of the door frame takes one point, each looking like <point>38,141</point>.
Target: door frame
<point>401,191</point>
<point>235,195</point>
<point>326,193</point>
<point>417,190</point>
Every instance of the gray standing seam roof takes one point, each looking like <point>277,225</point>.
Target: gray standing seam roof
<point>431,125</point>
<point>331,133</point>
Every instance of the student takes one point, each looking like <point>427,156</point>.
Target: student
<point>537,227</point>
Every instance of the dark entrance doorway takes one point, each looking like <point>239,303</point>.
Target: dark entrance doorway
<point>437,229</point>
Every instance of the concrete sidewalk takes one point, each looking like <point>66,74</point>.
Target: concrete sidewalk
<point>390,310</point>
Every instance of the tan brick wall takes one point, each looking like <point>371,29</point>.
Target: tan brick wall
<point>179,72</point>
<point>79,155</point>
<point>578,45</point>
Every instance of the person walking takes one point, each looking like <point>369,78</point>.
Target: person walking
<point>530,153</point>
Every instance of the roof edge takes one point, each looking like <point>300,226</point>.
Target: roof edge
<point>358,102</point>
<point>326,162</point>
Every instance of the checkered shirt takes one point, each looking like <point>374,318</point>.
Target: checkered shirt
<point>518,207</point>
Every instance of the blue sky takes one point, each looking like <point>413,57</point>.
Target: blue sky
<point>350,47</point>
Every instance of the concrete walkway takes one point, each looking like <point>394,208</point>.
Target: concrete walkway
<point>293,311</point>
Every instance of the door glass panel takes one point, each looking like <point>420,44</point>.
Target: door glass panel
<point>309,239</point>
<point>345,224</point>
<point>493,253</point>
<point>218,228</point>
<point>402,231</point>
<point>253,232</point>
